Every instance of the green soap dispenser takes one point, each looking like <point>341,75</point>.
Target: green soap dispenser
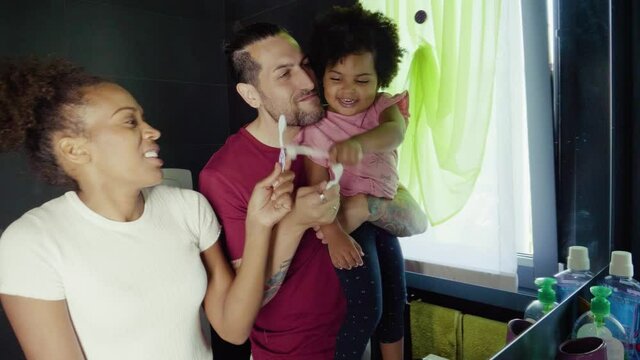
<point>600,323</point>
<point>546,299</point>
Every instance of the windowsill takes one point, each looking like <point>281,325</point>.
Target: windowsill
<point>477,293</point>
<point>501,281</point>
<point>501,290</point>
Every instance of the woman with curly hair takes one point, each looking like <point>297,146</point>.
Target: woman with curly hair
<point>118,267</point>
<point>356,52</point>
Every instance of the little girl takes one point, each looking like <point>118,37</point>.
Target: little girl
<point>356,52</point>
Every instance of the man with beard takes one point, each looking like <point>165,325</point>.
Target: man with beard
<point>274,77</point>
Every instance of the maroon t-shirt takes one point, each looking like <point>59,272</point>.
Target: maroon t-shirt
<point>302,320</point>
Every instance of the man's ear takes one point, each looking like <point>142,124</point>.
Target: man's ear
<point>250,94</point>
<point>74,149</point>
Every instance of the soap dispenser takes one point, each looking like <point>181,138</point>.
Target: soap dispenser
<point>625,299</point>
<point>546,299</point>
<point>600,323</point>
<point>577,272</point>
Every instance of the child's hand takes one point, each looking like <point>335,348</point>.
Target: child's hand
<point>348,152</point>
<point>345,252</point>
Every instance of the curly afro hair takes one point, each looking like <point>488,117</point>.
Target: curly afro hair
<point>35,98</point>
<point>353,30</point>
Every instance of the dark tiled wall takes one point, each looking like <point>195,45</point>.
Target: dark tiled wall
<point>165,52</point>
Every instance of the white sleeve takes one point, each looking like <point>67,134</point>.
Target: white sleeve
<point>209,226</point>
<point>28,260</point>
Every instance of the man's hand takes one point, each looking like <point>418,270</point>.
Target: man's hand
<point>271,198</point>
<point>354,211</point>
<point>345,252</point>
<point>348,152</point>
<point>315,206</point>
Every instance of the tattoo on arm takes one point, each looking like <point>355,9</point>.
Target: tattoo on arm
<point>401,216</point>
<point>273,284</point>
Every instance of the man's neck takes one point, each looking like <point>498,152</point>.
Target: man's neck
<point>265,129</point>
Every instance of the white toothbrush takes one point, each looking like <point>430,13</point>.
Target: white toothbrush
<point>282,125</point>
<point>294,150</point>
<point>336,169</point>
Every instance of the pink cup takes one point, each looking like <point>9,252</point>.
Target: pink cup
<point>516,327</point>
<point>586,348</point>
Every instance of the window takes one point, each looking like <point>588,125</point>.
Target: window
<point>501,125</point>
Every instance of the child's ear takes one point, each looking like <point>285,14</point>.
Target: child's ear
<point>250,94</point>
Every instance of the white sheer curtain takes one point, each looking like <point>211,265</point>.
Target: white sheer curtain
<point>496,220</point>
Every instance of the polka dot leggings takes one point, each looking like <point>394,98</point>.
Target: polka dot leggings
<point>375,294</point>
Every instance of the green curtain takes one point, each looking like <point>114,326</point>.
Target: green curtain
<point>450,78</point>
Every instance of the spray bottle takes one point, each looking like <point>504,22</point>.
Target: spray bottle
<point>625,299</point>
<point>577,272</point>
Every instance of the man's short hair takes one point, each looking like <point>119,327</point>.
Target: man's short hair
<point>243,67</point>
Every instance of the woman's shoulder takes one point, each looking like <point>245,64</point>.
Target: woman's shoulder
<point>30,264</point>
<point>46,213</point>
<point>32,226</point>
<point>28,223</point>
<point>174,197</point>
<point>186,204</point>
<point>168,192</point>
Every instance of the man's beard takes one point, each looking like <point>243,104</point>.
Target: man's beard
<point>310,117</point>
<point>294,117</point>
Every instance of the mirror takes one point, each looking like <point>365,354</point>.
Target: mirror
<point>584,167</point>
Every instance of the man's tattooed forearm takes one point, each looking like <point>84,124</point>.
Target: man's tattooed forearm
<point>401,216</point>
<point>273,284</point>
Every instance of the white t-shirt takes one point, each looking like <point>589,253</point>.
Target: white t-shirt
<point>134,289</point>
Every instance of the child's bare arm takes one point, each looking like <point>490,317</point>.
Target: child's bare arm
<point>387,136</point>
<point>315,173</point>
<point>344,251</point>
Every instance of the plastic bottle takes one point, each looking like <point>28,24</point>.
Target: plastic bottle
<point>625,298</point>
<point>600,323</point>
<point>546,299</point>
<point>577,272</point>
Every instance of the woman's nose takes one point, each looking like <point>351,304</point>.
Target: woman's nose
<point>151,133</point>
